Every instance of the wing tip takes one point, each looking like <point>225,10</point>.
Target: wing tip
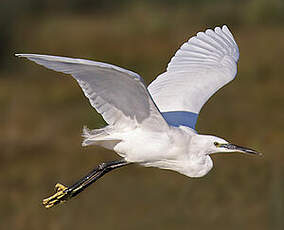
<point>24,55</point>
<point>225,27</point>
<point>214,42</point>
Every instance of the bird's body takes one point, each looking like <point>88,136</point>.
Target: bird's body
<point>155,126</point>
<point>174,148</point>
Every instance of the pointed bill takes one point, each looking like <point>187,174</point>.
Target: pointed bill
<point>241,149</point>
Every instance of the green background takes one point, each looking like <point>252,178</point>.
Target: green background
<point>42,113</point>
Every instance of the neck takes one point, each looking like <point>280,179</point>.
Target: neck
<point>195,166</point>
<point>198,165</point>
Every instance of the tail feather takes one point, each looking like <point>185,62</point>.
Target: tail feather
<point>96,136</point>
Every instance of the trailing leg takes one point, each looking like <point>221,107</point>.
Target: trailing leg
<point>64,193</point>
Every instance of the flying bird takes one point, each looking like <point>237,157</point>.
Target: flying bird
<point>153,126</point>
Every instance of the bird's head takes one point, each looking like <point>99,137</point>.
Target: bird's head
<point>211,144</point>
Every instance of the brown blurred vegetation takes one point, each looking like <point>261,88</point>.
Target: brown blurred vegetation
<point>42,113</point>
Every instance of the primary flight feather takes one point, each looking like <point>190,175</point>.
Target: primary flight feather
<point>155,126</point>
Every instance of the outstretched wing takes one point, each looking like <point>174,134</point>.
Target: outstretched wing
<point>201,66</point>
<point>119,95</point>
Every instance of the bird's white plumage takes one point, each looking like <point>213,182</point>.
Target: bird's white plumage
<point>201,66</point>
<point>119,95</point>
<point>137,130</point>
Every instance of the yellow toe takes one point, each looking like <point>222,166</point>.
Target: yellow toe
<point>57,198</point>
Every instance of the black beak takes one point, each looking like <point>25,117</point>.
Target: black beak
<point>241,149</point>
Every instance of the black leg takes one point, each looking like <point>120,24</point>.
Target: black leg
<point>64,193</point>
<point>94,175</point>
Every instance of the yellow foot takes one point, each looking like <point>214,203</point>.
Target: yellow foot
<point>59,197</point>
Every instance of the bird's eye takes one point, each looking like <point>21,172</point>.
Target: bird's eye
<point>216,144</point>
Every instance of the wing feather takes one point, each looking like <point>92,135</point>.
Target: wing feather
<point>202,65</point>
<point>119,95</point>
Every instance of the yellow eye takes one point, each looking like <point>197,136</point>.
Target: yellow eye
<point>216,144</point>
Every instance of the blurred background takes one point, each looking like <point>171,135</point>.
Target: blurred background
<point>42,114</point>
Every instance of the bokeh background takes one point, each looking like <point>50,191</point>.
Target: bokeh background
<point>42,113</point>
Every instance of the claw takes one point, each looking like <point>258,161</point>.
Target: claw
<point>60,196</point>
<point>60,187</point>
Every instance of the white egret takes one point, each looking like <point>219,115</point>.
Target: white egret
<point>153,126</point>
